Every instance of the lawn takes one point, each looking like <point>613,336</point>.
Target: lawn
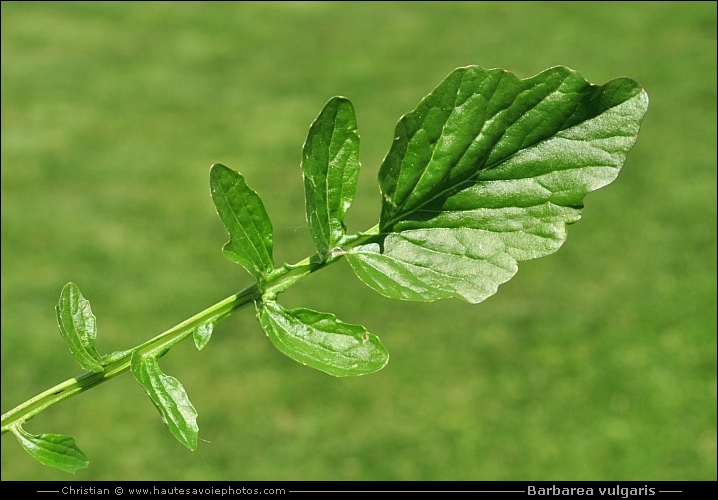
<point>597,362</point>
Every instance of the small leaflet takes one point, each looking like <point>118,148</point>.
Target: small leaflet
<point>245,218</point>
<point>202,334</point>
<point>321,341</point>
<point>170,398</point>
<point>78,327</point>
<point>53,450</point>
<point>330,165</point>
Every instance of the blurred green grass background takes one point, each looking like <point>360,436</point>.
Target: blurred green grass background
<point>598,362</point>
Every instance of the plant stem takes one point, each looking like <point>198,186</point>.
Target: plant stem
<point>76,385</point>
<point>278,281</point>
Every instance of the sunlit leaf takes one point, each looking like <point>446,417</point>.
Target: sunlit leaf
<point>243,214</point>
<point>202,334</point>
<point>330,164</point>
<point>169,397</point>
<point>321,341</point>
<point>53,450</point>
<point>489,170</point>
<point>78,327</point>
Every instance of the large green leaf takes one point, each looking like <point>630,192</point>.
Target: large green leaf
<point>489,170</point>
<point>53,450</point>
<point>169,397</point>
<point>243,214</point>
<point>321,341</point>
<point>78,327</point>
<point>330,164</point>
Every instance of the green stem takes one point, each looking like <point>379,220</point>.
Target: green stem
<point>278,281</point>
<point>76,385</point>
